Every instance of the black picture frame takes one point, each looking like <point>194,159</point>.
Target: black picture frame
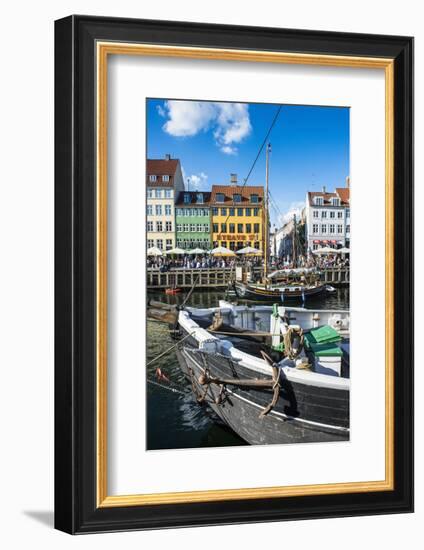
<point>76,508</point>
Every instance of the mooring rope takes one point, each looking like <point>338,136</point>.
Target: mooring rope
<point>169,388</point>
<point>169,349</point>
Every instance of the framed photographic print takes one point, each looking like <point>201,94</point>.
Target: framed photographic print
<point>234,274</point>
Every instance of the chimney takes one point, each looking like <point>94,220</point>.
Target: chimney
<point>348,182</point>
<point>323,188</point>
<point>233,179</point>
<point>167,156</point>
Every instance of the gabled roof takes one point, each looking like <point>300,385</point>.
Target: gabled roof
<point>341,193</point>
<point>193,198</point>
<point>161,167</point>
<point>244,190</point>
<point>344,194</point>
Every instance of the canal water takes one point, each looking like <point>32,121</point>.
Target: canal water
<point>174,419</point>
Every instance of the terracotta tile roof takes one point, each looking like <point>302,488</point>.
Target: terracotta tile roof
<point>193,198</point>
<point>344,194</point>
<point>244,190</point>
<point>159,168</point>
<point>341,192</point>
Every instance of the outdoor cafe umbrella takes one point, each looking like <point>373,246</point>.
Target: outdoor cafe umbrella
<point>154,251</point>
<point>250,250</point>
<point>177,251</point>
<point>326,250</point>
<point>222,251</point>
<point>197,251</point>
<point>343,250</point>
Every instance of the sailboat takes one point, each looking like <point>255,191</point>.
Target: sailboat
<point>285,284</point>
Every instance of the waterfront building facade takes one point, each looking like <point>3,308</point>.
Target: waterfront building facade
<point>237,215</point>
<point>164,183</point>
<point>192,218</point>
<point>328,218</point>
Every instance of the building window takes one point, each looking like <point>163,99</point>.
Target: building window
<point>158,226</point>
<point>324,228</point>
<point>332,229</point>
<point>248,228</point>
<point>168,226</point>
<point>214,211</point>
<point>239,211</point>
<point>232,245</point>
<point>149,210</point>
<point>149,193</point>
<point>348,229</point>
<point>215,228</point>
<point>192,227</point>
<point>255,228</point>
<point>336,202</point>
<point>168,193</point>
<point>315,228</point>
<point>150,243</point>
<point>159,244</point>
<point>220,197</point>
<point>179,228</point>
<point>168,244</point>
<point>152,177</point>
<point>254,198</point>
<point>165,177</point>
<point>332,214</point>
<point>239,228</point>
<point>232,211</point>
<point>179,211</point>
<point>257,245</point>
<point>167,209</point>
<point>224,227</point>
<point>340,229</point>
<point>232,228</point>
<point>324,214</point>
<point>187,198</point>
<point>158,210</point>
<point>186,227</point>
<point>256,211</point>
<point>187,212</point>
<point>236,197</point>
<point>248,211</point>
<point>223,211</point>
<point>206,228</point>
<point>199,198</point>
<point>340,214</point>
<point>149,226</point>
<point>319,201</point>
<point>347,212</point>
<point>159,193</point>
<point>315,214</point>
<point>314,247</point>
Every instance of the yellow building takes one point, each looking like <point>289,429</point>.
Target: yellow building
<point>237,215</point>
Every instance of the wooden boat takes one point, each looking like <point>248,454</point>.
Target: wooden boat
<point>287,389</point>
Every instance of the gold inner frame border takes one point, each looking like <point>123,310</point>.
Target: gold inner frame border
<point>103,50</point>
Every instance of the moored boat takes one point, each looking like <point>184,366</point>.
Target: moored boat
<point>290,387</point>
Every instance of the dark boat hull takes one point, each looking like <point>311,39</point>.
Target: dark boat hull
<point>248,292</point>
<point>303,413</point>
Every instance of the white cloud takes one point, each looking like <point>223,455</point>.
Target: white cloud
<point>230,121</point>
<point>195,182</point>
<point>295,209</point>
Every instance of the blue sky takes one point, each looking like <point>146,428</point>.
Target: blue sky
<point>310,146</point>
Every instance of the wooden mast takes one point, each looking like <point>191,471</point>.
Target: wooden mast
<point>268,149</point>
<point>294,241</point>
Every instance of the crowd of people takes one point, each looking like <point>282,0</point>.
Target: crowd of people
<point>206,261</point>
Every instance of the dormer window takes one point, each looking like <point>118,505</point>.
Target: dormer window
<point>187,198</point>
<point>165,178</point>
<point>335,202</point>
<point>199,198</point>
<point>152,177</point>
<point>319,201</point>
<point>220,197</point>
<point>254,198</point>
<point>236,197</point>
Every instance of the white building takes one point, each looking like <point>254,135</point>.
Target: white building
<point>328,218</point>
<point>164,182</point>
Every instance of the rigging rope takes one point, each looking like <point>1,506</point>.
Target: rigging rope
<point>169,349</point>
